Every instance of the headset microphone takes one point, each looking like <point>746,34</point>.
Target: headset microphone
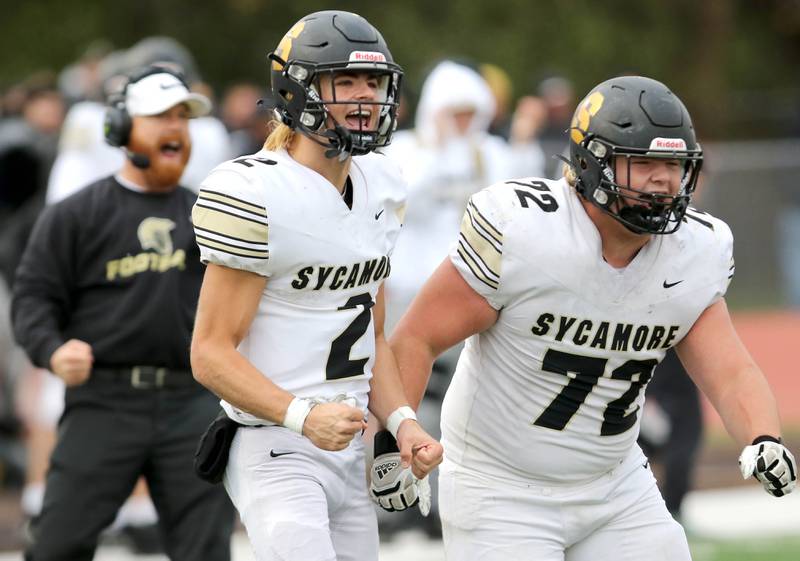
<point>141,161</point>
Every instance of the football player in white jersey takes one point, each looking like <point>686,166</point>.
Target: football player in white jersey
<point>569,293</point>
<point>289,329</point>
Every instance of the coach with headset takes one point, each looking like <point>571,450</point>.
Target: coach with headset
<point>105,298</point>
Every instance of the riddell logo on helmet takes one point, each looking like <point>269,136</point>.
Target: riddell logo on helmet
<point>367,56</point>
<point>667,144</point>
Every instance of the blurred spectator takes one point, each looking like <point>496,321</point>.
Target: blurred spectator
<point>83,79</point>
<point>546,117</point>
<point>503,92</point>
<point>27,150</point>
<point>242,116</point>
<point>447,157</point>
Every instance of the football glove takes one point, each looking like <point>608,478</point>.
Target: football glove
<point>393,487</point>
<point>771,463</point>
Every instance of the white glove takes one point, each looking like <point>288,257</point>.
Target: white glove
<point>771,463</point>
<point>393,487</point>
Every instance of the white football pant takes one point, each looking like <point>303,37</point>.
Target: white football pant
<point>620,516</point>
<point>299,502</point>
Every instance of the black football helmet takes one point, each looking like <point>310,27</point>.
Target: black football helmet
<point>625,117</point>
<point>330,42</point>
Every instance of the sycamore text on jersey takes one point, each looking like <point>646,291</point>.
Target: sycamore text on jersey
<point>343,276</point>
<point>599,335</point>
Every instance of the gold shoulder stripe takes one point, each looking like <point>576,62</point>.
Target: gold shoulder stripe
<point>481,246</point>
<point>230,225</point>
<point>207,231</point>
<point>233,250</point>
<point>478,260</point>
<point>473,266</point>
<point>484,223</point>
<point>469,222</point>
<point>224,199</point>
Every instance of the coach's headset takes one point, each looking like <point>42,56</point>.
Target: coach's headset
<point>118,123</point>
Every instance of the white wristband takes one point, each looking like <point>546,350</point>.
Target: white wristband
<point>398,416</point>
<point>296,414</point>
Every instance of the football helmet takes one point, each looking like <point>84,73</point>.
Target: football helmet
<point>330,42</point>
<point>625,117</point>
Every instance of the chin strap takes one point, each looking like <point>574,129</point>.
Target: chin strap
<point>340,141</point>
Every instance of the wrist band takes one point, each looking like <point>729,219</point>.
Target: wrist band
<point>398,416</point>
<point>296,414</point>
<point>766,438</point>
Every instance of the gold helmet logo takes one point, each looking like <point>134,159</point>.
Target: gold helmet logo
<point>586,110</point>
<point>154,233</point>
<point>285,46</point>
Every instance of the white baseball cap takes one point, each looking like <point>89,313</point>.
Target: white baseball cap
<point>156,93</point>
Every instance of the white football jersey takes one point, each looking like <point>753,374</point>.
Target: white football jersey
<point>313,334</point>
<point>553,391</point>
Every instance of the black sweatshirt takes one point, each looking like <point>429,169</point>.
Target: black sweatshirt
<point>115,268</point>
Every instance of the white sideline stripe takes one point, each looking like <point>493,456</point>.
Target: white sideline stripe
<point>741,512</point>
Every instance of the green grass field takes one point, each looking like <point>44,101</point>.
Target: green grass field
<point>777,549</point>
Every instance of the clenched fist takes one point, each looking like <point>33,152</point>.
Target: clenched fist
<point>72,362</point>
<point>331,426</point>
<point>771,463</point>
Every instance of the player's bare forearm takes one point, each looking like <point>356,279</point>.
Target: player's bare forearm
<point>445,312</point>
<point>415,361</point>
<point>720,365</point>
<point>226,373</point>
<point>747,406</point>
<point>228,301</point>
<point>386,389</point>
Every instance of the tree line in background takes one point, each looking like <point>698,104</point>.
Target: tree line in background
<point>734,62</point>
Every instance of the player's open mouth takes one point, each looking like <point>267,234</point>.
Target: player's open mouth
<point>359,119</point>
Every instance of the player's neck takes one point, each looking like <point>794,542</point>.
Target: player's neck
<point>619,245</point>
<point>310,154</point>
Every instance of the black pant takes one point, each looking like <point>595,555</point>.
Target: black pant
<point>110,434</point>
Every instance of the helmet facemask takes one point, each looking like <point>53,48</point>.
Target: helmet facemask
<point>302,107</point>
<point>638,210</point>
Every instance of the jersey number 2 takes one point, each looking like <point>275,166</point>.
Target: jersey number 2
<point>339,363</point>
<point>583,373</point>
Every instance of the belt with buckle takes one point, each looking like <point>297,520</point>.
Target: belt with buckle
<point>145,377</point>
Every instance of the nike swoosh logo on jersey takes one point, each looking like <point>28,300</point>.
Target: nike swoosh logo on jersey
<point>274,454</point>
<point>671,284</point>
<point>378,215</point>
<point>169,86</point>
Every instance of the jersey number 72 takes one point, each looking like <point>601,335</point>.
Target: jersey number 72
<point>583,373</point>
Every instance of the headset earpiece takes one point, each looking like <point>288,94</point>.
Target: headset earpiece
<point>117,123</point>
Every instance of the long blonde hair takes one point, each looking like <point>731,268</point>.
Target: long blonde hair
<point>280,136</point>
<point>570,175</point>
